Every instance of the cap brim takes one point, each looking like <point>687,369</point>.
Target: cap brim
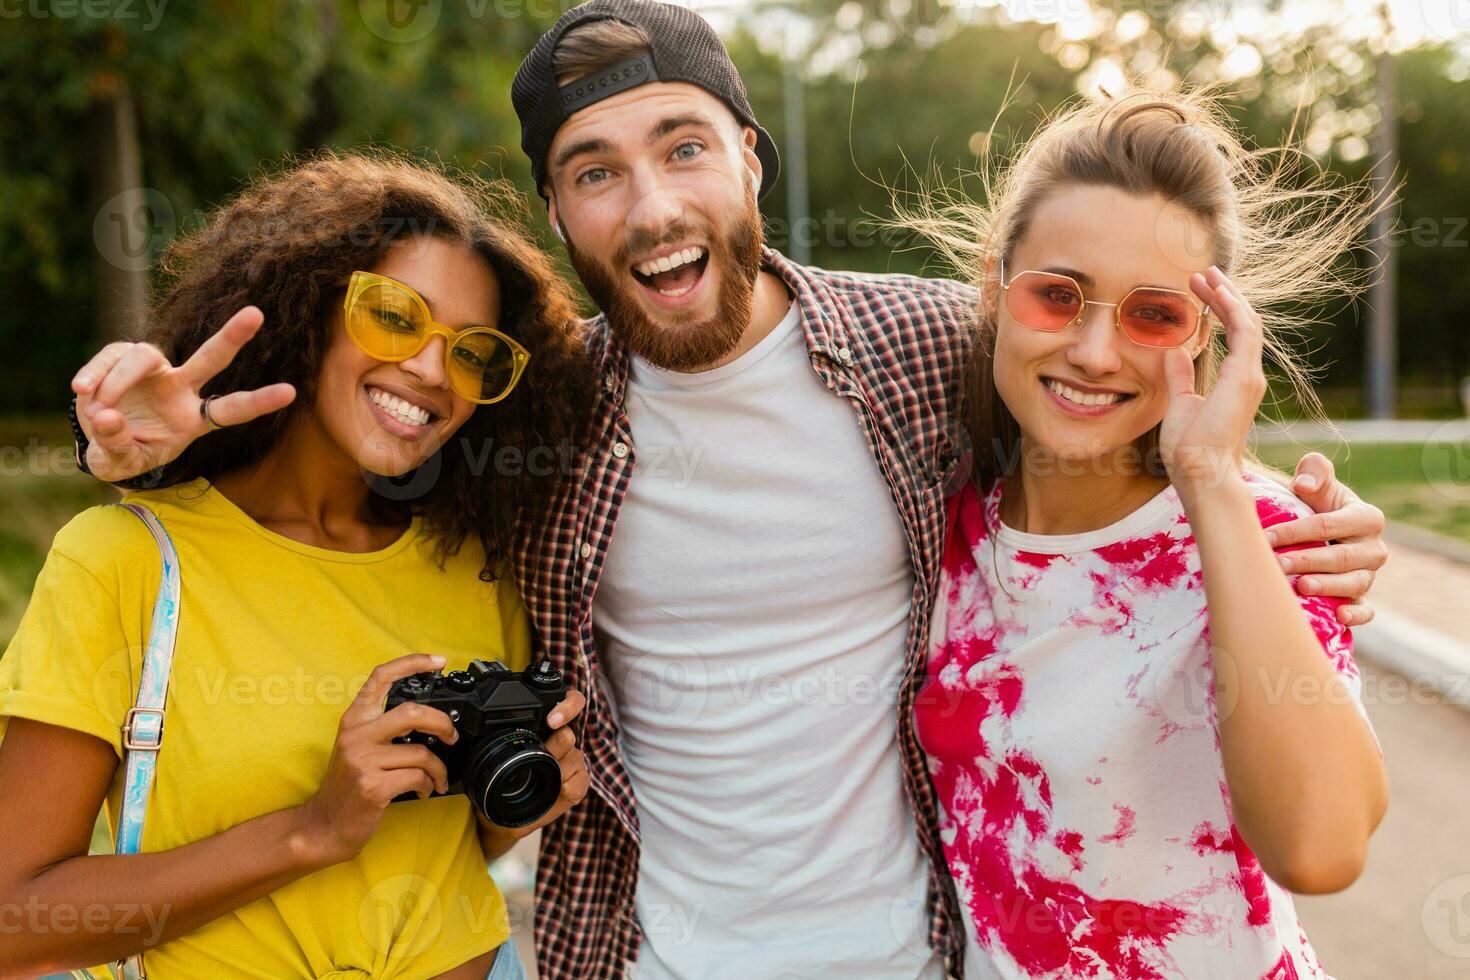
<point>765,152</point>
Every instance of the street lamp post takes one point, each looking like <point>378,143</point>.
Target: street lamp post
<point>1382,366</point>
<point>798,204</point>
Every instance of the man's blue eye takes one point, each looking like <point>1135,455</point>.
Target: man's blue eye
<point>679,153</point>
<point>594,176</point>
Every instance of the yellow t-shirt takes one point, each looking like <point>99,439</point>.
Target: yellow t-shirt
<point>275,639</point>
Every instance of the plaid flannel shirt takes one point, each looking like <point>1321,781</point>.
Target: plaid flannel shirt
<point>896,347</point>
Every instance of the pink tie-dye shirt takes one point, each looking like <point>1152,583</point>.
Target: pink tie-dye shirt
<point>1070,728</point>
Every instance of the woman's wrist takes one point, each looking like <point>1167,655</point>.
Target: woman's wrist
<point>79,438</point>
<point>309,841</point>
<point>1201,491</point>
<point>1224,522</point>
<point>495,840</point>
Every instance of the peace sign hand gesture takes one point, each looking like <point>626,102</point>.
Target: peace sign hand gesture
<point>139,411</point>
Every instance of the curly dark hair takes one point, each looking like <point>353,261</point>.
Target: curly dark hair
<point>288,243</point>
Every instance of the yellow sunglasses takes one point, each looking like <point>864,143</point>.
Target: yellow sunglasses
<point>390,322</point>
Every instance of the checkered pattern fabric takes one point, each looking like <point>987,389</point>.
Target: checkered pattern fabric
<point>895,347</point>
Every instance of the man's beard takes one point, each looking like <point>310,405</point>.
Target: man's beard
<point>685,344</point>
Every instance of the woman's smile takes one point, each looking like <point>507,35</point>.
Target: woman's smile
<point>400,415</point>
<point>1081,401</point>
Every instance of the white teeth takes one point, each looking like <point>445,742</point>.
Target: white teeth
<point>670,262</point>
<point>405,412</point>
<point>1083,398</point>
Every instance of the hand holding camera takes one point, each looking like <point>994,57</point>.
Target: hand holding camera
<point>507,745</point>
<point>499,759</point>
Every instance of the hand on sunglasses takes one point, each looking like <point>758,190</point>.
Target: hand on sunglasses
<point>139,411</point>
<point>1203,437</point>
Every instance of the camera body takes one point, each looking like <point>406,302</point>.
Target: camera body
<point>500,760</point>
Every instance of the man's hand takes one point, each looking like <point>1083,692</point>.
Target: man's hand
<point>1344,567</point>
<point>140,412</point>
<point>495,840</point>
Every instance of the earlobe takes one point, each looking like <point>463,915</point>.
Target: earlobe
<point>555,219</point>
<point>752,162</point>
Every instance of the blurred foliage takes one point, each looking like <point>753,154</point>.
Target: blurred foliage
<point>224,88</point>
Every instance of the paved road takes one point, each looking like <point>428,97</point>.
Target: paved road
<point>1408,917</point>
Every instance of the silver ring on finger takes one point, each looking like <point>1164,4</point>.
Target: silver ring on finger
<point>204,414</point>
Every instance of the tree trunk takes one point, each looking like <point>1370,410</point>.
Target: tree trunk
<point>321,120</point>
<point>123,225</point>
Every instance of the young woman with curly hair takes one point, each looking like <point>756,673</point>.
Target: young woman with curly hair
<point>424,353</point>
<point>1143,736</point>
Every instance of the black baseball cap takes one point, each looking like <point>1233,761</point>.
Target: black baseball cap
<point>682,48</point>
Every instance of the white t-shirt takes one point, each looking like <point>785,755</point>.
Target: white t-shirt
<point>752,614</point>
<point>1070,724</point>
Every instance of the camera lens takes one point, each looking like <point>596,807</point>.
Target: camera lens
<point>515,785</point>
<point>512,778</point>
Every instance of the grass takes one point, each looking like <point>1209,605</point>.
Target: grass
<point>40,490</point>
<point>1428,486</point>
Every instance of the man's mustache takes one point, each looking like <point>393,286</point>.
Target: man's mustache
<point>642,242</point>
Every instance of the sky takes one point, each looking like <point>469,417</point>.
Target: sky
<point>1414,21</point>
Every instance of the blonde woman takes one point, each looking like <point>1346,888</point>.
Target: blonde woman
<point>1142,736</point>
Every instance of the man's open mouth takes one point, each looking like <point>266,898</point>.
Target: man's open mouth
<point>675,274</point>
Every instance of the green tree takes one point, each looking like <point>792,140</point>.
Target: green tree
<point>117,128</point>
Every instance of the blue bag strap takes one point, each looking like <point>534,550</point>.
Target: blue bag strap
<point>142,733</point>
